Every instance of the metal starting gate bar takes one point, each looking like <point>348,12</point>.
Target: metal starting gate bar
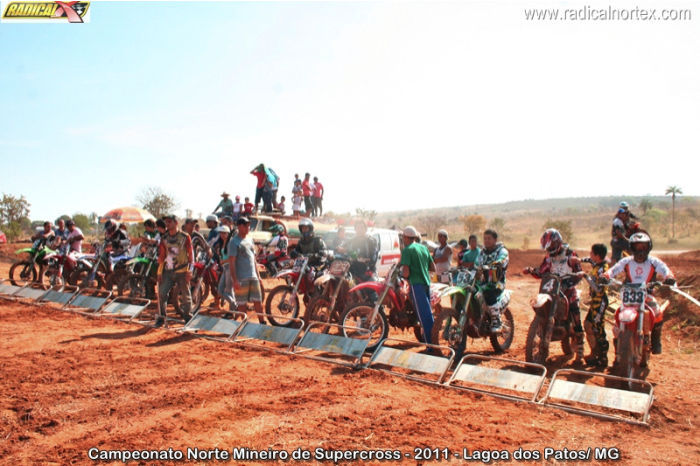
<point>283,336</point>
<point>31,291</point>
<point>427,364</point>
<point>59,294</point>
<point>201,323</point>
<point>504,379</point>
<point>338,345</point>
<point>124,308</point>
<point>605,397</point>
<point>8,290</point>
<point>93,301</point>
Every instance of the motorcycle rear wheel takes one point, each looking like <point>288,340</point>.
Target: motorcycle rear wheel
<point>80,277</point>
<point>24,271</point>
<point>537,344</point>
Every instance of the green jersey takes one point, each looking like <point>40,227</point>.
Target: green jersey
<point>417,258</point>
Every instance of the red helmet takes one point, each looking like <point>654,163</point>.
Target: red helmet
<point>551,240</point>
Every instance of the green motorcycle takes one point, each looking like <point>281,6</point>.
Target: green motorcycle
<point>469,315</point>
<point>140,280</point>
<point>30,269</point>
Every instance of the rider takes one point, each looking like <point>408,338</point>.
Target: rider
<point>198,242</point>
<point>493,255</point>
<point>363,251</point>
<point>561,260</point>
<point>61,233</point>
<point>641,268</point>
<point>47,235</point>
<point>117,238</point>
<point>280,242</point>
<point>309,245</point>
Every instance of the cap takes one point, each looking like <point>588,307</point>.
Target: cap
<point>411,232</point>
<point>190,220</point>
<point>223,229</point>
<point>242,221</point>
<point>443,233</point>
<point>172,217</point>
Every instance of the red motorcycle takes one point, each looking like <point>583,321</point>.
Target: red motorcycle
<point>634,321</point>
<point>283,300</point>
<point>270,268</point>
<point>205,280</point>
<point>394,294</point>
<point>59,267</point>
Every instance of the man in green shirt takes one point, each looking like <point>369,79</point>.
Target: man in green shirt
<point>416,265</point>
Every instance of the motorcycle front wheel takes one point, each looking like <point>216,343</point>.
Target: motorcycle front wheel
<point>537,344</point>
<point>446,332</point>
<point>281,305</point>
<point>24,271</point>
<point>625,356</point>
<point>502,341</point>
<point>358,317</point>
<point>80,277</point>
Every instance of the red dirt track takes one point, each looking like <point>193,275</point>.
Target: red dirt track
<point>70,383</point>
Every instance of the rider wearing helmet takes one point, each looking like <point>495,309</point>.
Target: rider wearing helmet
<point>494,255</point>
<point>561,260</point>
<point>117,238</point>
<point>309,245</point>
<point>641,268</point>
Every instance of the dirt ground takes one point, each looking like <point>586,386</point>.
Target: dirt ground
<point>71,383</point>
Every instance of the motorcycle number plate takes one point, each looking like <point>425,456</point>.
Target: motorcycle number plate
<point>445,278</point>
<point>633,297</point>
<point>339,268</point>
<point>298,264</point>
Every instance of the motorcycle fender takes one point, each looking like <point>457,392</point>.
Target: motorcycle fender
<point>323,279</point>
<point>23,250</point>
<point>450,290</point>
<point>626,315</point>
<point>86,263</point>
<point>503,301</point>
<point>541,300</point>
<point>377,287</point>
<point>286,273</point>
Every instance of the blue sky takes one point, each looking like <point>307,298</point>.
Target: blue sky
<point>392,105</point>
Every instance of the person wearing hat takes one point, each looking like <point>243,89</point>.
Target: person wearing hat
<point>243,268</point>
<point>442,256</point>
<point>226,206</point>
<point>212,222</point>
<point>416,265</point>
<point>175,267</point>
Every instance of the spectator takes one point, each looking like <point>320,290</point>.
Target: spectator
<point>470,255</point>
<point>267,196</point>
<point>281,205</point>
<point>462,246</point>
<point>248,207</point>
<point>176,263</point>
<point>259,173</point>
<point>225,205</point>
<point>306,190</point>
<point>237,208</point>
<point>317,200</point>
<point>243,269</point>
<point>416,265</point>
<point>442,256</point>
<point>296,202</point>
<point>275,186</point>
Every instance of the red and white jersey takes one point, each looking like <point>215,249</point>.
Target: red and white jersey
<point>644,272</point>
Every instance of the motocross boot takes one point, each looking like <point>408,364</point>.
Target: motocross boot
<point>496,325</point>
<point>599,357</point>
<point>656,338</point>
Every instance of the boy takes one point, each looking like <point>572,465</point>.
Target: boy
<point>594,324</point>
<point>248,207</point>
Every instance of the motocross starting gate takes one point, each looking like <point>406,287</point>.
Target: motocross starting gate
<point>580,398</point>
<point>124,308</point>
<point>336,349</point>
<point>88,301</point>
<point>59,294</point>
<point>521,381</point>
<point>430,362</point>
<point>270,337</point>
<point>214,327</point>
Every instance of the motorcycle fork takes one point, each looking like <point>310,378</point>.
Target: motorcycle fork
<point>379,302</point>
<point>641,315</point>
<point>295,290</point>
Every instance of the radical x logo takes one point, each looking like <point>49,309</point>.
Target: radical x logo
<point>73,11</point>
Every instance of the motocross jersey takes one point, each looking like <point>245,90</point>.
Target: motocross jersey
<point>362,247</point>
<point>313,247</point>
<point>597,273</point>
<point>496,256</point>
<point>279,242</point>
<point>176,251</point>
<point>640,273</point>
<point>120,242</point>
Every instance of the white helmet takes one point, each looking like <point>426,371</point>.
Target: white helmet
<point>411,232</point>
<point>640,253</point>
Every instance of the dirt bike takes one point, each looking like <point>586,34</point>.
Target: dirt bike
<point>394,294</point>
<point>101,269</point>
<point>59,267</point>
<point>634,321</point>
<point>139,281</point>
<point>29,270</point>
<point>552,321</point>
<point>469,316</point>
<point>283,300</point>
<point>272,267</point>
<point>205,280</point>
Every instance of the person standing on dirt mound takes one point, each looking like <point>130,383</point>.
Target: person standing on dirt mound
<point>562,260</point>
<point>175,267</point>
<point>416,265</point>
<point>495,256</point>
<point>641,268</point>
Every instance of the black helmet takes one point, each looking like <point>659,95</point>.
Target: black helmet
<point>110,226</point>
<point>306,222</point>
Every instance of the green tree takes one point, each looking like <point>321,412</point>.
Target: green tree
<point>673,191</point>
<point>473,224</point>
<point>14,214</point>
<point>157,202</point>
<point>82,221</point>
<point>498,224</point>
<point>645,205</point>
<point>430,224</point>
<point>564,227</point>
<point>63,217</point>
<point>366,214</point>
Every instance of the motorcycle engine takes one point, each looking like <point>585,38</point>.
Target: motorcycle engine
<point>404,318</point>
